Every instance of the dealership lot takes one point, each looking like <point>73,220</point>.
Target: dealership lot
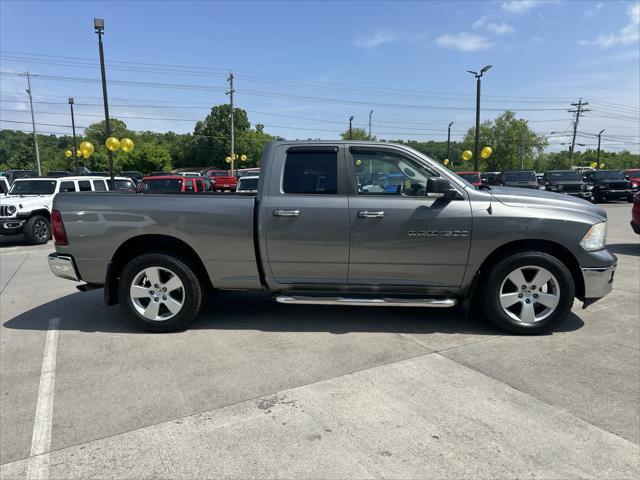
<point>258,389</point>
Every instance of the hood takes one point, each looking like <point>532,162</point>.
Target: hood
<point>26,202</point>
<point>517,197</point>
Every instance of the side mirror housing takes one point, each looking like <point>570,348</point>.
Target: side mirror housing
<point>440,187</point>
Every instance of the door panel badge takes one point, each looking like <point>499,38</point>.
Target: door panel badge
<point>436,233</point>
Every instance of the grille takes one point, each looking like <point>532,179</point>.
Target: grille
<point>4,211</point>
<point>618,186</point>
<point>571,188</point>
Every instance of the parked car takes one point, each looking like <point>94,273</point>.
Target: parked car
<point>222,180</point>
<point>4,185</point>
<point>472,177</point>
<point>633,175</point>
<point>311,237</point>
<point>170,184</point>
<point>13,175</point>
<point>208,184</point>
<point>246,172</point>
<point>133,175</point>
<point>124,184</point>
<point>519,178</point>
<point>190,174</point>
<point>635,213</point>
<point>608,185</point>
<point>248,184</point>
<point>490,178</point>
<point>27,207</point>
<point>569,182</point>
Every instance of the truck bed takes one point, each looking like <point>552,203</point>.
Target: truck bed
<point>218,227</point>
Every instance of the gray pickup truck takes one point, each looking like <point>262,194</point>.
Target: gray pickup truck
<point>340,223</point>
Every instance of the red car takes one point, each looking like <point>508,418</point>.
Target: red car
<point>472,177</point>
<point>170,184</point>
<point>633,174</point>
<point>635,213</point>
<point>222,180</point>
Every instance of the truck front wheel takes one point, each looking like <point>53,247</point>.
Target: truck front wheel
<point>160,292</point>
<point>37,230</point>
<point>528,293</point>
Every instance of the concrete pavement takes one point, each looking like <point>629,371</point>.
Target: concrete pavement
<point>258,389</point>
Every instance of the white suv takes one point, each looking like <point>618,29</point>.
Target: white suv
<point>27,206</point>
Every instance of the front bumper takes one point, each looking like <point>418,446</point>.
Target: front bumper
<point>617,194</point>
<point>63,266</point>
<point>598,282</point>
<point>11,226</point>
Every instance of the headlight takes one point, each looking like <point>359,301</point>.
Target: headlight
<point>11,210</point>
<point>634,185</point>
<point>589,187</point>
<point>595,238</point>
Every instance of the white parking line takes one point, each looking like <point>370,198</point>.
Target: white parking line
<point>41,439</point>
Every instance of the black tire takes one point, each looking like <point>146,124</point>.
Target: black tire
<point>191,297</point>
<point>597,197</point>
<point>630,198</point>
<point>494,283</point>
<point>37,230</point>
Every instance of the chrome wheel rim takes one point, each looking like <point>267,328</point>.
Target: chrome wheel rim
<point>529,294</point>
<point>41,230</point>
<point>157,293</point>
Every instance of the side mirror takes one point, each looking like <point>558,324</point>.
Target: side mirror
<point>440,187</point>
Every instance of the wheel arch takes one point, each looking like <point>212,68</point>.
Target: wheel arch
<point>39,211</point>
<point>151,243</point>
<point>552,248</point>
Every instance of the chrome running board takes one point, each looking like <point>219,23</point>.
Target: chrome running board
<point>370,302</point>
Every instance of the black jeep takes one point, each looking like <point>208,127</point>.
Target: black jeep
<point>608,185</point>
<point>569,182</point>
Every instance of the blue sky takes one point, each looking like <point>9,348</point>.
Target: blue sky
<point>302,68</point>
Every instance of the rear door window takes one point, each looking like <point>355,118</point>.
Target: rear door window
<point>84,185</point>
<point>199,186</point>
<point>67,187</point>
<point>311,172</point>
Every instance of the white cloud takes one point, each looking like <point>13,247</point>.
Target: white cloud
<point>519,6</point>
<point>376,39</point>
<point>479,23</point>
<point>464,42</point>
<point>627,35</point>
<point>590,12</point>
<point>501,28</point>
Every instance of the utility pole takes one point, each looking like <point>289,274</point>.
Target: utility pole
<point>578,111</point>
<point>598,158</point>
<point>522,146</point>
<point>98,25</point>
<point>370,113</point>
<point>350,130</point>
<point>33,124</point>
<point>449,143</point>
<point>231,117</point>
<point>476,147</point>
<point>73,126</point>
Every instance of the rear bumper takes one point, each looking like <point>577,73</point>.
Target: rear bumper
<point>63,266</point>
<point>11,226</point>
<point>598,282</point>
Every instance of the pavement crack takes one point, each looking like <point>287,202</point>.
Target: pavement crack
<point>14,273</point>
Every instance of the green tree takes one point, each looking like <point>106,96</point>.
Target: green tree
<point>145,158</point>
<point>513,143</point>
<point>356,134</point>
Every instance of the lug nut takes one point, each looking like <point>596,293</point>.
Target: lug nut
<point>151,292</point>
<point>164,289</point>
<point>533,287</point>
<point>535,295</point>
<point>164,297</point>
<point>157,286</point>
<point>156,299</point>
<point>524,287</point>
<point>527,300</point>
<point>519,295</point>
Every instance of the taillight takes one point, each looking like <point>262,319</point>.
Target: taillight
<point>57,228</point>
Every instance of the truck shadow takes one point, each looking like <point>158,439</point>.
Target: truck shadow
<point>86,312</point>
<point>632,249</point>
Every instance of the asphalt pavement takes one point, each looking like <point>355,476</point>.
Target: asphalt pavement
<point>256,389</point>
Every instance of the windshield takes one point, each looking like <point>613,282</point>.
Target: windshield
<point>470,177</point>
<point>565,176</point>
<point>248,184</point>
<point>33,187</point>
<point>219,174</point>
<point>125,185</point>
<point>519,176</point>
<point>610,175</point>
<point>161,185</point>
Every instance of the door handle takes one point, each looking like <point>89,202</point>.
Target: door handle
<point>367,214</point>
<point>286,213</point>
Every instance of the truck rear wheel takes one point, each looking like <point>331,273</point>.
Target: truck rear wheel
<point>37,230</point>
<point>528,293</point>
<point>160,292</point>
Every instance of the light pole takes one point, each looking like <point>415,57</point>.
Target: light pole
<point>98,25</point>
<point>73,126</point>
<point>350,130</point>
<point>599,138</point>
<point>449,143</point>
<point>477,143</point>
<point>370,113</point>
<point>526,122</point>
